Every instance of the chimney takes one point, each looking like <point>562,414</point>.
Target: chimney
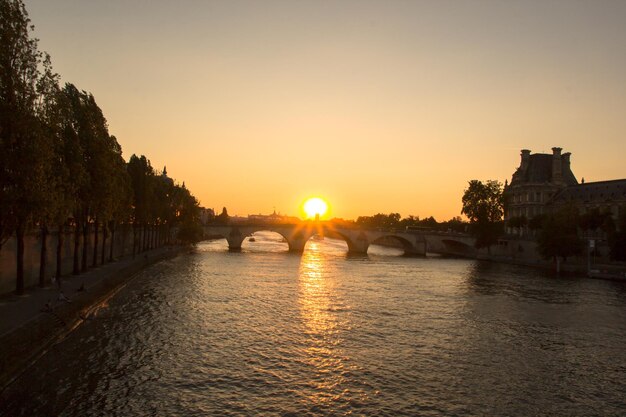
<point>557,170</point>
<point>525,159</point>
<point>566,164</point>
<point>565,159</point>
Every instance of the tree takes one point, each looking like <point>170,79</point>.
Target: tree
<point>380,220</point>
<point>455,224</point>
<point>190,230</point>
<point>121,205</point>
<point>141,176</point>
<point>559,234</point>
<point>25,150</point>
<point>72,168</point>
<point>483,206</point>
<point>54,202</point>
<point>59,165</point>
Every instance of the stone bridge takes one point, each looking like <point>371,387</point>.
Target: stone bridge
<point>414,243</point>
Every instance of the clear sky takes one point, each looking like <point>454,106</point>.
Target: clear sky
<point>376,106</point>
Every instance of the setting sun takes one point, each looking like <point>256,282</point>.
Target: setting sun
<point>315,206</point>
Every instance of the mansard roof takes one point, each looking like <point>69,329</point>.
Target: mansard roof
<point>539,170</point>
<point>594,192</point>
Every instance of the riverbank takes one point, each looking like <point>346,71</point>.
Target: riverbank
<point>612,272</point>
<point>33,322</point>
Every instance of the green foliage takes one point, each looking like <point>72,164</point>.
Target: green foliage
<point>559,234</point>
<point>26,148</point>
<point>483,206</point>
<point>189,217</point>
<point>142,182</point>
<point>157,200</point>
<point>379,220</point>
<point>393,221</point>
<point>59,162</point>
<point>483,202</point>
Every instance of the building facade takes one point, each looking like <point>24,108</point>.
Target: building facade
<point>545,182</point>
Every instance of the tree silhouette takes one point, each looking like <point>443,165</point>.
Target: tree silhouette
<point>24,148</point>
<point>60,166</point>
<point>483,206</point>
<point>141,176</point>
<point>385,221</point>
<point>559,234</point>
<point>48,113</point>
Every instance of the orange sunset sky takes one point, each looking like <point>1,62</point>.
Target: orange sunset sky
<point>376,106</point>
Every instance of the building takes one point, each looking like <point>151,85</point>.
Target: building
<point>274,218</point>
<point>544,182</point>
<point>206,215</point>
<point>605,196</point>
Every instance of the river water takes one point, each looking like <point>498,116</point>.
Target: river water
<point>266,332</point>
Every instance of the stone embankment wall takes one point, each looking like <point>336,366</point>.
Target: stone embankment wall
<point>123,246</point>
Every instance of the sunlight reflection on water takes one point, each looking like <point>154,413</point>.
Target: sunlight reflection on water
<point>267,332</point>
<point>317,312</point>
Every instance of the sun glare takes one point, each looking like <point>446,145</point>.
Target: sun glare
<point>314,207</point>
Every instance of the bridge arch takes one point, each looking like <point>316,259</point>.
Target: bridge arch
<point>407,246</point>
<point>291,239</point>
<point>354,244</point>
<point>458,248</point>
<point>284,238</point>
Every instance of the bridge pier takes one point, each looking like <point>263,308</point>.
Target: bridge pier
<point>297,242</point>
<point>235,239</point>
<point>417,249</point>
<point>358,245</point>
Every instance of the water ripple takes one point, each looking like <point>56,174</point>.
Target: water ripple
<point>264,332</point>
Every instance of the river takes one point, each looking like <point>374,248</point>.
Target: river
<point>266,332</point>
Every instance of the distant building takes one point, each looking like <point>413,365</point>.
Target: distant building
<point>544,182</point>
<point>274,218</point>
<point>206,215</point>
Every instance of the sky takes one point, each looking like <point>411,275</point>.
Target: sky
<point>376,106</point>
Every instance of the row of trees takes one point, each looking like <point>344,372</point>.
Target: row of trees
<point>558,232</point>
<point>60,167</point>
<point>395,221</point>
